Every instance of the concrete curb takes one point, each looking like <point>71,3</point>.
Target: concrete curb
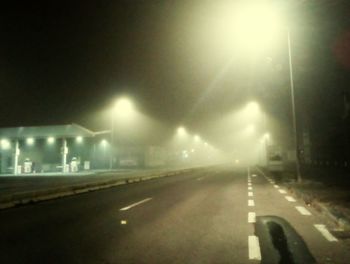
<point>335,216</point>
<point>338,218</point>
<point>23,198</point>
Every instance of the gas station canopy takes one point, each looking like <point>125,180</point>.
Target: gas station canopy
<point>56,131</point>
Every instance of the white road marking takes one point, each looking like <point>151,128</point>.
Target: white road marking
<point>250,188</point>
<point>250,193</point>
<point>302,210</point>
<point>251,217</point>
<point>123,222</point>
<point>254,175</point>
<point>290,199</point>
<point>276,186</point>
<point>254,248</point>
<point>282,191</point>
<point>324,231</point>
<point>251,203</point>
<point>249,184</point>
<point>135,204</point>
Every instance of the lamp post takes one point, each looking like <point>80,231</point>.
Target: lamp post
<point>295,131</point>
<point>112,141</point>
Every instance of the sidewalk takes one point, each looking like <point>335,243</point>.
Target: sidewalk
<point>327,190</point>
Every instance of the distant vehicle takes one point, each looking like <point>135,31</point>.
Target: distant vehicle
<point>275,159</point>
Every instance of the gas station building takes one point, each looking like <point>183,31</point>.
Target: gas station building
<point>41,149</point>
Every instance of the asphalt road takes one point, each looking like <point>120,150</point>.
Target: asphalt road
<point>201,217</point>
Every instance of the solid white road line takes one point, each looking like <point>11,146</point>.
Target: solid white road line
<point>282,191</point>
<point>135,204</point>
<point>324,231</point>
<point>290,199</point>
<point>302,210</point>
<point>254,248</point>
<point>250,193</point>
<point>276,186</point>
<point>251,217</point>
<point>250,188</point>
<point>251,203</point>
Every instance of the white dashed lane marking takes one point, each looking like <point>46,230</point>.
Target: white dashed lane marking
<point>250,188</point>
<point>276,186</point>
<point>250,193</point>
<point>251,203</point>
<point>282,191</point>
<point>135,204</point>
<point>324,231</point>
<point>302,210</point>
<point>290,199</point>
<point>251,217</point>
<point>249,184</point>
<point>254,248</point>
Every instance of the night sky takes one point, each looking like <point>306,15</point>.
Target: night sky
<point>63,62</point>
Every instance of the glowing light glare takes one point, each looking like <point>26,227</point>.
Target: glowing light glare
<point>205,144</point>
<point>123,106</point>
<point>185,154</point>
<point>104,142</point>
<point>252,108</point>
<point>237,161</point>
<point>30,141</point>
<point>79,139</point>
<point>256,24</point>
<point>267,136</point>
<point>181,131</point>
<point>5,144</point>
<point>197,138</point>
<point>50,140</point>
<point>192,150</point>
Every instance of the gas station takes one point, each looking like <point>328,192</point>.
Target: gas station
<point>45,149</point>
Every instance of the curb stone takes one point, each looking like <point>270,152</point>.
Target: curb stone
<point>338,218</point>
<point>28,197</point>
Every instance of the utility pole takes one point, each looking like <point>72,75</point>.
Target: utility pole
<point>297,162</point>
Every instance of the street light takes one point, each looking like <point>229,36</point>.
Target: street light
<point>30,141</point>
<point>50,140</point>
<point>197,138</point>
<point>181,131</point>
<point>123,107</point>
<point>255,24</point>
<point>5,144</point>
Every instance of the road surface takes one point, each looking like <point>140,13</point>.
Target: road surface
<point>200,217</point>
